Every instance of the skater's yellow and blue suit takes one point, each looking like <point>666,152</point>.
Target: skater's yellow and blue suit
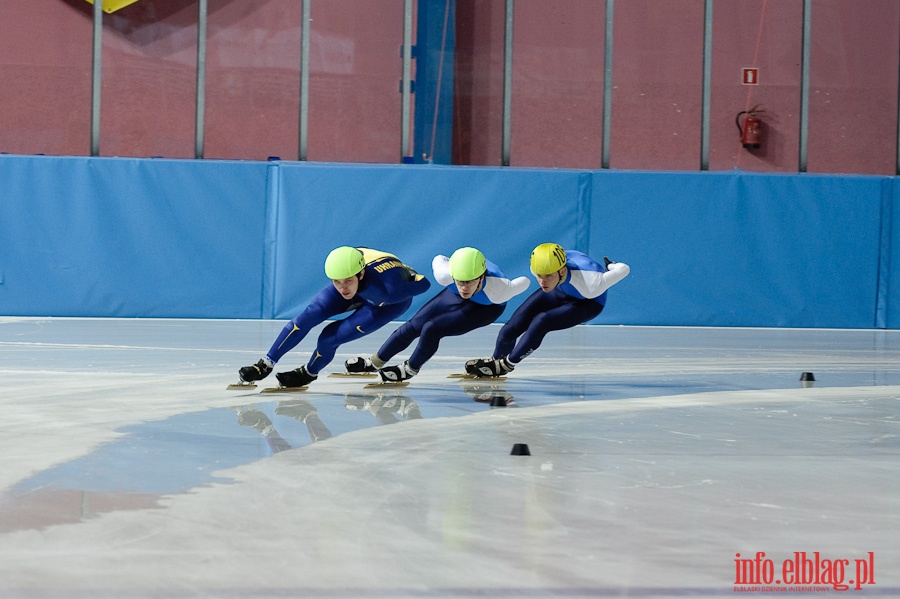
<point>385,292</point>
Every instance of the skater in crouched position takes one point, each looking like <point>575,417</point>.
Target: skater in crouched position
<point>573,291</point>
<point>376,286</point>
<point>475,295</point>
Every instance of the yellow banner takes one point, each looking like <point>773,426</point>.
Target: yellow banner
<point>114,5</point>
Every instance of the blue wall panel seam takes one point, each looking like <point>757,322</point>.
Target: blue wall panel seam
<point>270,242</point>
<point>583,206</point>
<point>883,284</point>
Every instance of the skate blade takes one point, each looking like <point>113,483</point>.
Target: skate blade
<point>386,384</point>
<point>283,389</point>
<point>475,377</point>
<point>363,375</point>
<point>237,386</point>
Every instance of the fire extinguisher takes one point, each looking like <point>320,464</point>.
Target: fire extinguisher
<point>751,129</point>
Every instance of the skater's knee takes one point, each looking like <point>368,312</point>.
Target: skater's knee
<point>512,330</point>
<point>329,338</point>
<point>426,329</point>
<point>412,327</point>
<point>541,322</point>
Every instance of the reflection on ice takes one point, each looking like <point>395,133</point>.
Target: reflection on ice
<point>174,455</point>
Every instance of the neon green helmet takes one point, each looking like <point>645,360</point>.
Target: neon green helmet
<point>467,264</point>
<point>344,262</point>
<point>547,258</point>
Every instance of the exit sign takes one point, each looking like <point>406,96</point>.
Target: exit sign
<point>750,76</point>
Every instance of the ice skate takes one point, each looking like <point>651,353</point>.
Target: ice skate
<point>257,372</point>
<point>292,380</point>
<point>249,374</point>
<point>470,369</point>
<point>489,367</point>
<point>395,375</point>
<point>359,367</point>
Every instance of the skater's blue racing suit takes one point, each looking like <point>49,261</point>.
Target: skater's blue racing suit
<point>576,300</point>
<point>447,314</point>
<point>385,292</point>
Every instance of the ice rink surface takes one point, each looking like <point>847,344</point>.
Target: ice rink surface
<point>657,455</point>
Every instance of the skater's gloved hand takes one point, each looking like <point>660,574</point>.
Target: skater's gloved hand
<point>440,267</point>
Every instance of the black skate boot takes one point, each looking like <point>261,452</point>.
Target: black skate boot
<point>257,372</point>
<point>396,374</point>
<point>489,367</point>
<point>359,365</point>
<point>299,377</point>
<point>471,367</point>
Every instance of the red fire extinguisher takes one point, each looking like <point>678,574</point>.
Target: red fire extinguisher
<point>751,129</point>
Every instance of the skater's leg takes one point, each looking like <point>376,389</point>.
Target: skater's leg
<point>411,329</point>
<point>397,342</point>
<point>458,319</point>
<point>365,320</point>
<point>292,334</point>
<point>533,305</point>
<point>324,305</point>
<point>561,317</point>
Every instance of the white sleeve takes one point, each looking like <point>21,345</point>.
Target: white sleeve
<point>591,284</point>
<point>441,268</point>
<point>502,290</point>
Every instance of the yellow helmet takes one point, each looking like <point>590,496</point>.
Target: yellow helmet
<point>547,258</point>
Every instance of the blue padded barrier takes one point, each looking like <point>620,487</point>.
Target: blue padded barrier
<point>130,238</point>
<point>225,239</point>
<point>740,249</point>
<point>416,212</point>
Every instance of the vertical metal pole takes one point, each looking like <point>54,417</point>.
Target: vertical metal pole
<point>707,84</point>
<point>407,79</point>
<point>507,82</point>
<point>804,86</point>
<point>200,114</point>
<point>95,77</point>
<point>304,81</point>
<point>607,83</point>
<point>898,119</point>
